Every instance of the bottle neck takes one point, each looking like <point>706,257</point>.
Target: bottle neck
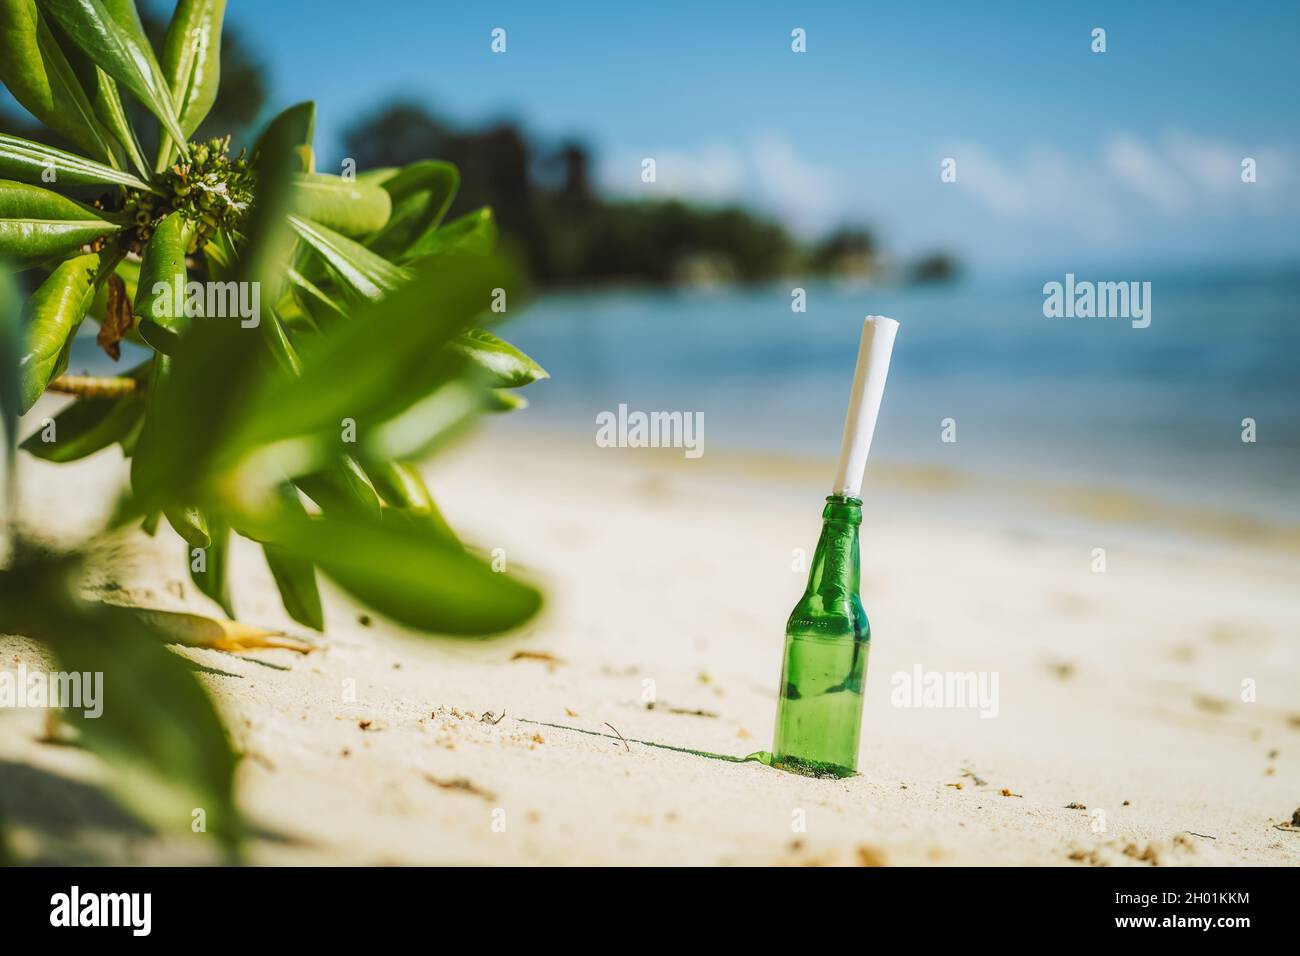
<point>834,572</point>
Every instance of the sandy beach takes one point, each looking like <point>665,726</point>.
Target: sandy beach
<point>1119,737</point>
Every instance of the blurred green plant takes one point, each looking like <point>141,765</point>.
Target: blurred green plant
<point>295,424</point>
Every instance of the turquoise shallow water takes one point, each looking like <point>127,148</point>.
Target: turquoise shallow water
<point>1091,401</point>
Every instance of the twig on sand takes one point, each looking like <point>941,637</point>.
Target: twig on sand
<point>545,657</point>
<point>620,736</point>
<point>463,784</point>
<point>491,718</point>
<point>759,756</point>
<point>1203,836</point>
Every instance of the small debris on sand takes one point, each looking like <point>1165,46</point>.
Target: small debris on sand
<point>1075,806</point>
<point>1008,793</point>
<point>543,656</point>
<point>1061,670</point>
<point>690,712</point>
<point>974,777</point>
<point>463,784</point>
<point>868,856</point>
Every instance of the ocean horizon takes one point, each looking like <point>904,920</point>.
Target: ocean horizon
<point>1155,410</point>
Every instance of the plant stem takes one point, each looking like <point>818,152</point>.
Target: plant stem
<point>94,386</point>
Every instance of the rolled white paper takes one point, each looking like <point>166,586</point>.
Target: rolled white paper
<point>864,402</point>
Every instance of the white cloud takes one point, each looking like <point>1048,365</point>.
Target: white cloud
<point>1139,167</point>
<point>712,173</point>
<point>802,194</point>
<point>1046,183</point>
<point>1177,175</point>
<point>765,171</point>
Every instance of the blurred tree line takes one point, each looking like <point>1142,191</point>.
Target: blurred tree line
<point>543,198</point>
<point>545,202</point>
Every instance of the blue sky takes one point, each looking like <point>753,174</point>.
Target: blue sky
<point>1065,157</point>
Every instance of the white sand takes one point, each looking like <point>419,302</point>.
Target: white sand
<point>1120,691</point>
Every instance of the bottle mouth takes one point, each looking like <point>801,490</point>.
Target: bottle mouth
<point>843,508</point>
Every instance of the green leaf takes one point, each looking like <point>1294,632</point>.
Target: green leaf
<point>509,367</point>
<point>161,286</point>
<point>85,427</point>
<point>115,41</point>
<point>164,748</point>
<point>421,195</point>
<point>413,324</point>
<point>191,525</point>
<point>429,423</point>
<point>152,459</point>
<point>104,99</point>
<point>279,344</point>
<point>29,162</point>
<point>38,74</point>
<point>379,175</point>
<point>55,312</point>
<point>503,400</point>
<point>216,364</point>
<point>10,355</point>
<point>128,270</point>
<point>220,253</point>
<point>294,127</point>
<point>403,488</point>
<point>36,224</point>
<point>313,301</point>
<point>408,572</point>
<point>474,232</point>
<point>344,484</point>
<point>208,571</point>
<point>191,62</point>
<point>350,207</point>
<point>295,577</point>
<point>368,275</point>
<point>107,103</point>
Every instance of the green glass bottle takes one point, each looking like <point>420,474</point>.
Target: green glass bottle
<point>819,715</point>
<point>819,707</point>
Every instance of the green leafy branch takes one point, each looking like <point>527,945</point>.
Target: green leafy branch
<point>298,430</point>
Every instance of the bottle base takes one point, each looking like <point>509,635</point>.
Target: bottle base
<point>813,768</point>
